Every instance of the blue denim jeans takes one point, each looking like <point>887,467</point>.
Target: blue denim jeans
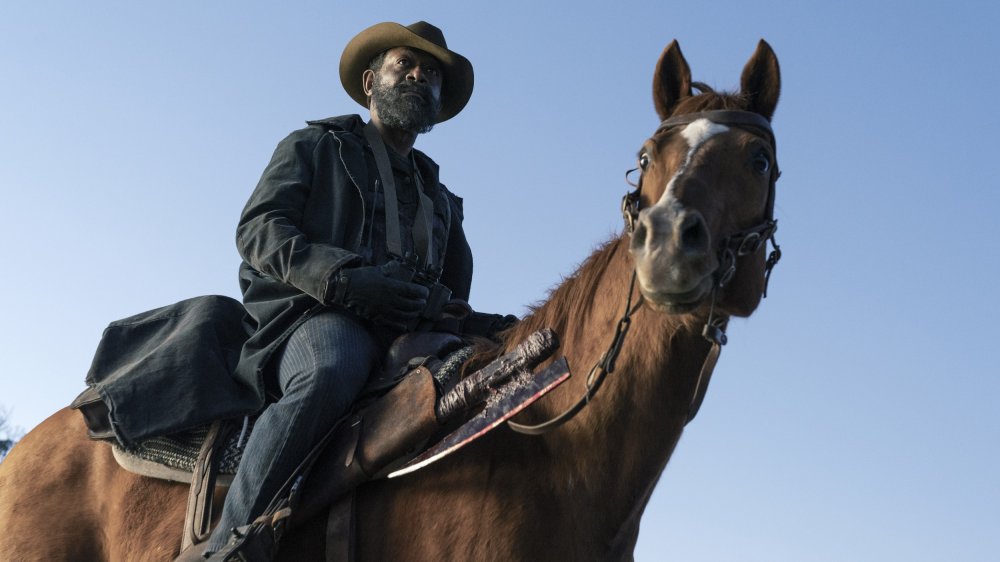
<point>321,370</point>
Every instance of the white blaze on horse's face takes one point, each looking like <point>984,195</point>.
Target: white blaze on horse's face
<point>696,134</point>
<point>671,244</point>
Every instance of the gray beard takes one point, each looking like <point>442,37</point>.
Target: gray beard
<point>406,113</point>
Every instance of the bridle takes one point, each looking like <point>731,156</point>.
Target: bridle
<point>731,248</point>
<point>744,242</point>
<point>739,244</point>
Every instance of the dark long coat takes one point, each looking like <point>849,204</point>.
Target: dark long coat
<point>306,219</point>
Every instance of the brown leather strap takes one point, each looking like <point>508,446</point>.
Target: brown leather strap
<point>340,530</point>
<point>704,377</point>
<point>392,233</point>
<point>423,234</point>
<point>604,366</point>
<point>723,117</point>
<point>422,238</point>
<point>198,517</point>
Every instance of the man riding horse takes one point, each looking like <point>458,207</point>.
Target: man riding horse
<point>694,254</point>
<point>348,241</point>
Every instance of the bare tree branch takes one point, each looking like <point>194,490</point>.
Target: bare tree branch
<point>8,434</point>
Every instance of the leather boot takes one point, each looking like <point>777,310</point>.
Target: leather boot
<point>372,442</point>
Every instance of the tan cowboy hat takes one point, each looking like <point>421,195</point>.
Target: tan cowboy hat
<point>456,86</point>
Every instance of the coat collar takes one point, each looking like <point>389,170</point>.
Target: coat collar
<point>355,125</point>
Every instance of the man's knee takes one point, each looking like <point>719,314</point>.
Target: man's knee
<point>329,358</point>
<point>325,379</point>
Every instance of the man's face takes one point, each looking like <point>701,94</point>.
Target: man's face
<point>406,90</point>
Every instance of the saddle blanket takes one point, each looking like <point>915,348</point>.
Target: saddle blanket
<point>172,457</point>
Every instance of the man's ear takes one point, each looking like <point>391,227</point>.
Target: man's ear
<point>368,81</point>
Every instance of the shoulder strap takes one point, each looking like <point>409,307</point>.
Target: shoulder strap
<point>422,238</point>
<point>393,239</point>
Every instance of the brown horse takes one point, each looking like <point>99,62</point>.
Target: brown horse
<point>697,247</point>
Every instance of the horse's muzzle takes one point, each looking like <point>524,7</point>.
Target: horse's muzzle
<point>672,247</point>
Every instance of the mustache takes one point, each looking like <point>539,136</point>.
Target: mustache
<point>422,89</point>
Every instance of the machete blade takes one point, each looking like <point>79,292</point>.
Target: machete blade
<point>516,395</point>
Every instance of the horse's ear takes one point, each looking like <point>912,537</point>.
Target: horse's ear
<point>672,81</point>
<point>761,81</point>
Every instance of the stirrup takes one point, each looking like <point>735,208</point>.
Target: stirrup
<point>256,542</point>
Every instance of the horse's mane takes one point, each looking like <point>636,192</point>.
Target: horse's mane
<point>571,300</point>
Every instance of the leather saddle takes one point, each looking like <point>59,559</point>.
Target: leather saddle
<point>417,393</point>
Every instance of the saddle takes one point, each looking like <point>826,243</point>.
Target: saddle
<point>403,407</point>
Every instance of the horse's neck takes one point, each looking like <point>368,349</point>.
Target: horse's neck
<point>616,448</point>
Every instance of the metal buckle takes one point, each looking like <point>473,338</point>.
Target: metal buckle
<point>630,210</point>
<point>727,267</point>
<point>749,244</point>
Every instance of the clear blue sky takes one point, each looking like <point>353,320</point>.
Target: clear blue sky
<point>854,418</point>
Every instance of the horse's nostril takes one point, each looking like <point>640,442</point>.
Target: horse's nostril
<point>639,235</point>
<point>694,234</point>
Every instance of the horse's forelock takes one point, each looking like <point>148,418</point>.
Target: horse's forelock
<point>710,100</point>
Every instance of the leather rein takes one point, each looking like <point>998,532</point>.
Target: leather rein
<point>743,243</point>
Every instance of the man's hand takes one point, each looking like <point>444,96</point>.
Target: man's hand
<point>368,292</point>
<point>488,325</point>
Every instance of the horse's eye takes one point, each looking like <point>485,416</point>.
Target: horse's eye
<point>644,161</point>
<point>761,164</point>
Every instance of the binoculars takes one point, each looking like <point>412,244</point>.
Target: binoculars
<point>409,269</point>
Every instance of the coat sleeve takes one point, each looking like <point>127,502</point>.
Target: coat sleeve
<point>269,236</point>
<point>457,270</point>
